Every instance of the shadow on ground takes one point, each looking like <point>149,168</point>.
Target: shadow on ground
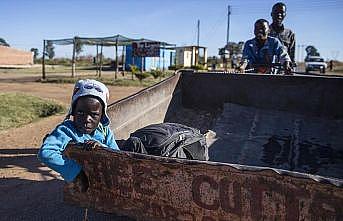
<point>23,198</point>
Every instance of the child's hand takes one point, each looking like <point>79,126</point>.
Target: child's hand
<point>91,144</point>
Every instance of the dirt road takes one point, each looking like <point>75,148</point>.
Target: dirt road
<point>28,189</point>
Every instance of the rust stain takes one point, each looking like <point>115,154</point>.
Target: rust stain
<point>164,189</point>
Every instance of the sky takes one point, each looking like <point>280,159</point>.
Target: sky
<point>25,23</point>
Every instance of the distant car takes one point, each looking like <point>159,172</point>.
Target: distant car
<point>315,63</point>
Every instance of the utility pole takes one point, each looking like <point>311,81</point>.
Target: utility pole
<point>302,52</point>
<point>43,61</point>
<point>228,24</point>
<point>298,53</point>
<point>198,38</point>
<point>226,47</point>
<point>198,43</point>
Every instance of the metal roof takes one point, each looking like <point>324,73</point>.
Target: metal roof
<point>118,40</point>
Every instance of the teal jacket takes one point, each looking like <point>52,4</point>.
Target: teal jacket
<point>51,151</point>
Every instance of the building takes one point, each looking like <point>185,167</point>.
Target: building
<point>149,55</point>
<point>190,56</point>
<point>12,56</point>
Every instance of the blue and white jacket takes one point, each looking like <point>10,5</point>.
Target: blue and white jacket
<point>271,51</point>
<point>51,151</point>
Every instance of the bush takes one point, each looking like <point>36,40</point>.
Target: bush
<point>175,67</point>
<point>134,69</point>
<point>156,73</point>
<point>142,75</point>
<point>198,67</point>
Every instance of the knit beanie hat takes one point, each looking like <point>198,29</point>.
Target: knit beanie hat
<point>89,87</point>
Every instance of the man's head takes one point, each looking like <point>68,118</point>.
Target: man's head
<point>261,30</point>
<point>88,97</point>
<point>278,13</point>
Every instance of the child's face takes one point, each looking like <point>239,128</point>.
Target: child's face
<point>87,114</point>
<point>261,31</point>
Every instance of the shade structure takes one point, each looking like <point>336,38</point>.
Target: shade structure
<point>114,41</point>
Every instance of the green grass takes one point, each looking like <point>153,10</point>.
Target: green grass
<point>19,109</point>
<point>62,74</point>
<point>125,81</point>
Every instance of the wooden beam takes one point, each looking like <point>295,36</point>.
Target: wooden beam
<point>123,59</point>
<point>117,63</point>
<point>43,62</point>
<point>100,70</point>
<point>73,60</point>
<point>163,60</point>
<point>97,60</point>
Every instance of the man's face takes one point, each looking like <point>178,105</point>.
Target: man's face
<point>87,114</point>
<point>278,14</point>
<point>261,31</point>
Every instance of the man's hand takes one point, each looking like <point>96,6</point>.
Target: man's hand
<point>91,144</point>
<point>287,68</point>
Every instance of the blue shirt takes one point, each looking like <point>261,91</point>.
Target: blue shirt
<point>270,52</point>
<point>51,151</point>
<point>286,37</point>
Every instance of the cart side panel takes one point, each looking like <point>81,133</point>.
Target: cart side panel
<point>155,188</point>
<point>313,96</point>
<point>146,107</point>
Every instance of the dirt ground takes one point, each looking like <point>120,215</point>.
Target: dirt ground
<point>28,189</point>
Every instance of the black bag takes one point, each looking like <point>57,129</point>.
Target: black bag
<point>168,140</point>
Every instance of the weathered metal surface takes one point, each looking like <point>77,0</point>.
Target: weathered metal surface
<point>308,95</point>
<point>259,137</point>
<point>155,188</point>
<point>148,106</point>
<point>289,122</point>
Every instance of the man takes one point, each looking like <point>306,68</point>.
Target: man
<point>277,29</point>
<point>261,52</point>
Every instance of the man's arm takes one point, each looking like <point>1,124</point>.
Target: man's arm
<point>292,47</point>
<point>245,58</point>
<point>281,52</point>
<point>284,58</point>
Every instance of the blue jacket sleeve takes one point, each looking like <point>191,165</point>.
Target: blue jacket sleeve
<point>281,52</point>
<point>51,153</point>
<point>246,56</point>
<point>110,140</point>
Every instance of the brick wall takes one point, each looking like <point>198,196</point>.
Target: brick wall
<point>12,56</point>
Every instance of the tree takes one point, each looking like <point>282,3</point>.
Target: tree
<point>35,53</point>
<point>78,46</point>
<point>49,50</point>
<point>4,43</point>
<point>311,51</point>
<point>235,48</point>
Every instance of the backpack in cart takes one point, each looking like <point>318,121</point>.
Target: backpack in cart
<point>168,140</point>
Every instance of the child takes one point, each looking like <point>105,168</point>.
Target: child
<point>87,122</point>
<point>262,50</point>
